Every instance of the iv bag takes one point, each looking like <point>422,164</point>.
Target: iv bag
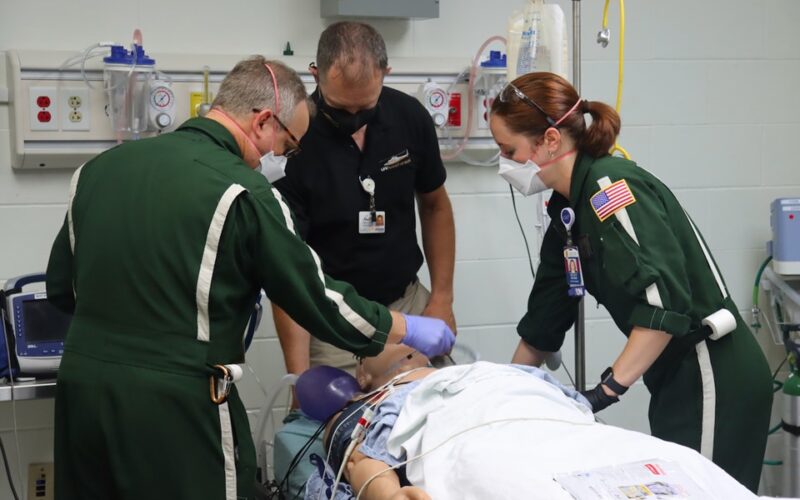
<point>537,40</point>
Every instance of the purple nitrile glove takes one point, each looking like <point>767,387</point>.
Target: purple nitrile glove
<point>430,336</point>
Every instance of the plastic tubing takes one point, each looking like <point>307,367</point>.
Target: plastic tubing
<point>470,89</point>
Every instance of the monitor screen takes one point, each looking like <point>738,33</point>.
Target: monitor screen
<point>43,321</point>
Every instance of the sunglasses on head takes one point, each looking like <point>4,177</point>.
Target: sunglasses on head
<point>511,92</point>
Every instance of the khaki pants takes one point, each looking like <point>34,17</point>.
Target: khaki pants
<point>413,301</point>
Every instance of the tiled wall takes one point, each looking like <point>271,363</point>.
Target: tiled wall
<point>710,106</point>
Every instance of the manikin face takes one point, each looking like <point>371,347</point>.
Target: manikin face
<point>395,358</point>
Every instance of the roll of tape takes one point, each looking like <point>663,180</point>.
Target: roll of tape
<point>236,372</point>
<point>721,323</point>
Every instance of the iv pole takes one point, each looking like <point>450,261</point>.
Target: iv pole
<point>580,322</point>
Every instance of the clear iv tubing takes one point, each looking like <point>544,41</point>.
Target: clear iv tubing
<point>463,156</point>
<point>134,125</point>
<point>287,380</point>
<point>470,89</point>
<point>85,56</point>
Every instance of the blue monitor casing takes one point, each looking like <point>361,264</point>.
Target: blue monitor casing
<point>785,244</point>
<point>6,368</point>
<point>39,330</point>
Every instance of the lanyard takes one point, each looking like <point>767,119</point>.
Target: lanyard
<point>368,185</point>
<point>572,259</point>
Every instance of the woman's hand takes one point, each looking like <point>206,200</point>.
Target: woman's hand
<point>410,493</point>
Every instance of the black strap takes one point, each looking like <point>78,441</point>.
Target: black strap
<point>791,429</point>
<point>608,381</point>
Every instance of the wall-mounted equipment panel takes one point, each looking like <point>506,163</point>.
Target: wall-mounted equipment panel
<point>60,118</point>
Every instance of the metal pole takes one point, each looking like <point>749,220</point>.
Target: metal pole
<point>580,349</point>
<point>580,322</point>
<point>576,45</point>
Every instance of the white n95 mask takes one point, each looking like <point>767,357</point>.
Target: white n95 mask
<point>273,167</point>
<point>524,177</point>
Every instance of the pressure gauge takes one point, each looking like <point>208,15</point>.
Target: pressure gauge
<point>434,97</point>
<point>161,105</point>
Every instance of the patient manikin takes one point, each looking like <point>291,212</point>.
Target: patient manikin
<point>429,433</point>
<point>322,391</point>
<point>395,368</point>
<point>386,381</point>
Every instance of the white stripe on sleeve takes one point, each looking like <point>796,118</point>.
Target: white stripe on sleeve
<point>652,293</point>
<point>352,317</point>
<point>710,261</point>
<point>209,259</point>
<point>73,188</point>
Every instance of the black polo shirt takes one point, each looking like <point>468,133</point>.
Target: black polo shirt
<point>401,154</point>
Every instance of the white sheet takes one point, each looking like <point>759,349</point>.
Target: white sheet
<point>517,459</point>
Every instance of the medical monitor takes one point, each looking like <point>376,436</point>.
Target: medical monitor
<point>39,329</point>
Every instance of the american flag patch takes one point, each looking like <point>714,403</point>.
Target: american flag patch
<point>612,199</point>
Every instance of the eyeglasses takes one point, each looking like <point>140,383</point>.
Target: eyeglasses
<point>515,92</point>
<point>294,146</point>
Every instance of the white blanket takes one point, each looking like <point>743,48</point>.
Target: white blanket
<point>534,431</point>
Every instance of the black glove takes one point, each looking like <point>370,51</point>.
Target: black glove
<point>599,399</point>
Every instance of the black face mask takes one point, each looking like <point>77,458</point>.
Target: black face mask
<point>346,122</point>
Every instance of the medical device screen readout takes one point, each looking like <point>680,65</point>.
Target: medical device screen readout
<point>43,321</point>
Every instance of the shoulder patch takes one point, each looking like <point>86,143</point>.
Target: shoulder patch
<point>612,199</point>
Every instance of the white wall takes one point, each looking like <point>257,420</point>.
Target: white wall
<point>709,106</point>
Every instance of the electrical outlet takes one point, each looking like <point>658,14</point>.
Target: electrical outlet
<point>484,104</point>
<point>43,105</point>
<point>73,106</point>
<point>40,481</point>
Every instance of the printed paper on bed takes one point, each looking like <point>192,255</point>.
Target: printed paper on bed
<point>648,480</point>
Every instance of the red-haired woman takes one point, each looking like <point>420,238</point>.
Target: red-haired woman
<point>644,259</point>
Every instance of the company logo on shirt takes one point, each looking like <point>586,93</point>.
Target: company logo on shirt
<point>398,160</point>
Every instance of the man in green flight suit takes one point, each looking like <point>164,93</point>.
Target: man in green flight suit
<point>644,259</point>
<point>165,246</point>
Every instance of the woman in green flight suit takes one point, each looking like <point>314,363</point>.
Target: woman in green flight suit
<point>644,259</point>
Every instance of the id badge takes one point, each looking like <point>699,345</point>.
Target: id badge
<point>367,224</point>
<point>572,268</point>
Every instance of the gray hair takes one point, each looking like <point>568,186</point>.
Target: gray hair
<point>249,86</point>
<point>353,46</point>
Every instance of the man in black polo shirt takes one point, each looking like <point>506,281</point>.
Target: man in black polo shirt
<point>370,151</point>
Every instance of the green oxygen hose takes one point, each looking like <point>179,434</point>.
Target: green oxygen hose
<point>756,324</point>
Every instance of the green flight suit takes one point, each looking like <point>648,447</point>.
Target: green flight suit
<point>164,248</point>
<point>648,265</point>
